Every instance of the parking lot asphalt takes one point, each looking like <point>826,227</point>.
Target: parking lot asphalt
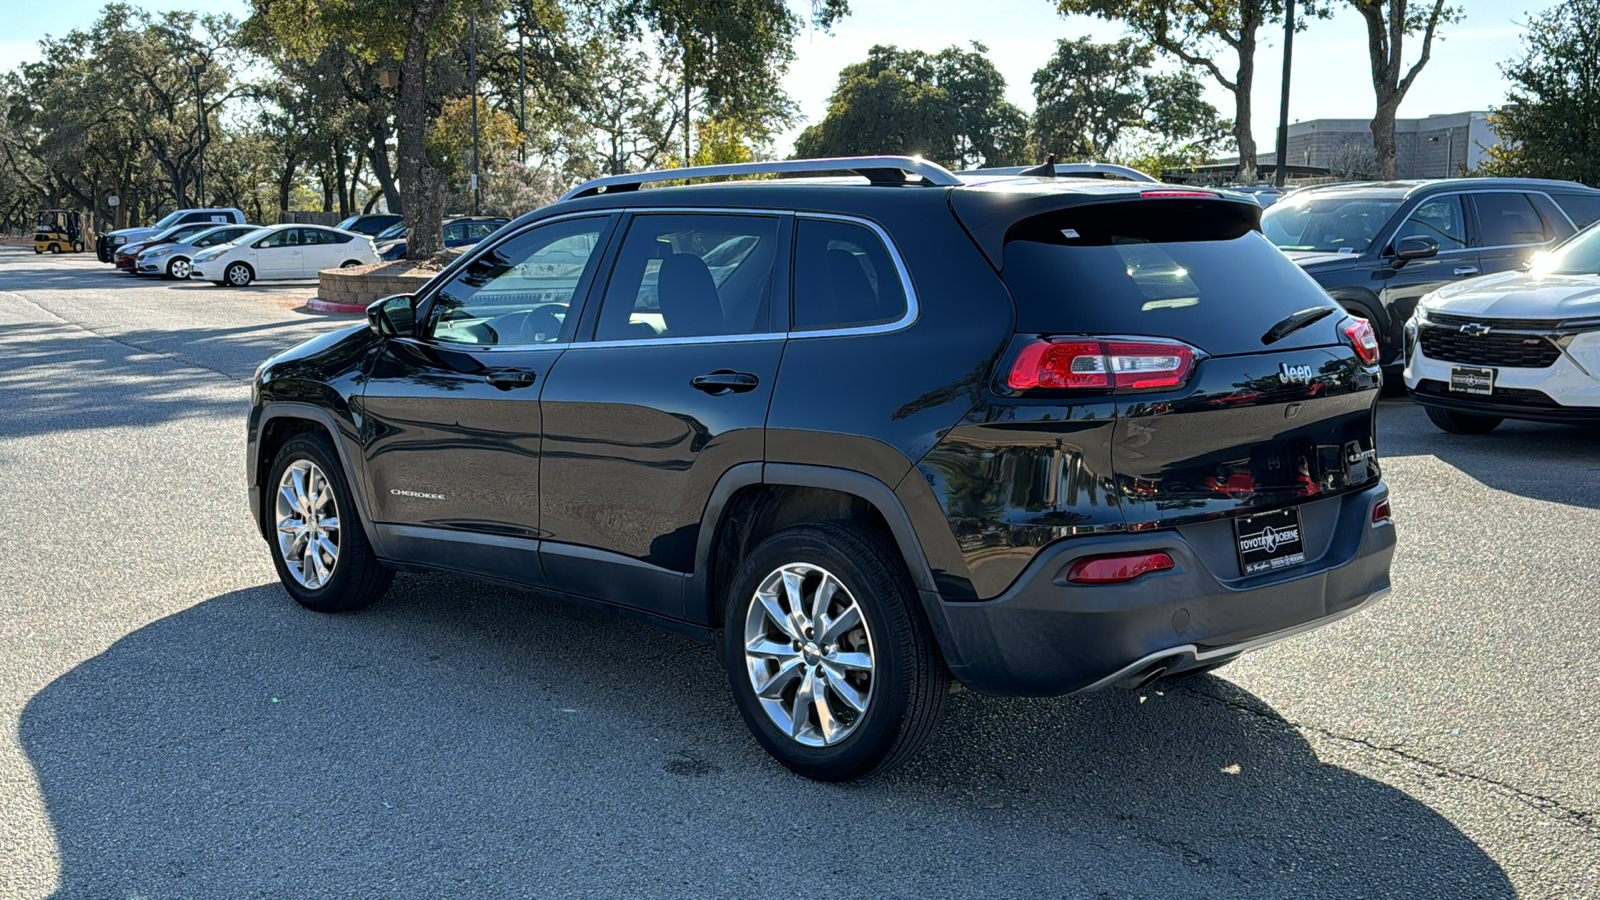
<point>172,725</point>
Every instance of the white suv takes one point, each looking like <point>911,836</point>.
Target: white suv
<point>1517,345</point>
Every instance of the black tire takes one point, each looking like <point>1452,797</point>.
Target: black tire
<point>908,680</point>
<point>77,246</point>
<point>1462,423</point>
<point>55,248</point>
<point>238,274</point>
<point>351,264</point>
<point>37,251</point>
<point>358,579</point>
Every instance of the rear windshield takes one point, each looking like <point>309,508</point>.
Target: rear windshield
<point>1196,271</point>
<point>1331,224</point>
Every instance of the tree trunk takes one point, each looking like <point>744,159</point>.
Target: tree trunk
<point>285,182</point>
<point>422,185</point>
<point>1244,82</point>
<point>1383,135</point>
<point>378,155</point>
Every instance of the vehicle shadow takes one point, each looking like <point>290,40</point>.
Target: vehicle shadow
<point>1555,463</point>
<point>466,740</point>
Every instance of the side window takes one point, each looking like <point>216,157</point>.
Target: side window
<point>334,237</point>
<point>1439,218</point>
<point>1583,208</point>
<point>479,230</point>
<point>520,291</point>
<point>281,238</point>
<point>312,236</point>
<point>843,277</point>
<point>1507,218</point>
<point>691,276</point>
<point>453,232</point>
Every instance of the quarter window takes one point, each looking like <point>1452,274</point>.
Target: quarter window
<point>1508,218</point>
<point>1439,218</point>
<point>520,291</point>
<point>691,276</point>
<point>843,277</point>
<point>1583,208</point>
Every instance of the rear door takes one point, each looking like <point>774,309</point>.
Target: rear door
<point>669,391</point>
<point>1260,422</point>
<point>1509,230</point>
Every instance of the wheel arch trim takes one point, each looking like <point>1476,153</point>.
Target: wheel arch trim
<point>699,604</point>
<point>324,420</point>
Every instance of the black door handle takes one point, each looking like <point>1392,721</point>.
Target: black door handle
<point>724,381</point>
<point>506,379</point>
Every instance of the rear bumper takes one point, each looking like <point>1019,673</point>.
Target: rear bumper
<point>1045,637</point>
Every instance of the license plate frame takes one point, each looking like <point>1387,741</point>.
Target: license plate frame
<point>1269,542</point>
<point>1475,380</point>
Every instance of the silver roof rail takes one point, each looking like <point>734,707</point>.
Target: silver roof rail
<point>876,169</point>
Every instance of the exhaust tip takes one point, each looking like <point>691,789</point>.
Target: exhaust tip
<point>1142,679</point>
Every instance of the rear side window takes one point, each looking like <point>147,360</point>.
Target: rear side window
<point>1583,208</point>
<point>843,277</point>
<point>1507,218</point>
<point>1195,271</point>
<point>691,276</point>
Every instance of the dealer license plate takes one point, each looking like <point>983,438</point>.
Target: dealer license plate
<point>1269,541</point>
<point>1471,380</point>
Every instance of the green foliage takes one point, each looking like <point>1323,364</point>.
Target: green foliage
<point>948,106</point>
<point>1103,101</point>
<point>1549,126</point>
<point>450,138</point>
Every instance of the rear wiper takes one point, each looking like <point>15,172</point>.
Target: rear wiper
<point>1295,321</point>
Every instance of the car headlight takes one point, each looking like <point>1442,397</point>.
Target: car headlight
<point>156,251</point>
<point>1421,314</point>
<point>119,240</point>
<point>208,255</point>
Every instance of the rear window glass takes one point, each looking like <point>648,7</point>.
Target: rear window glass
<point>1196,272</point>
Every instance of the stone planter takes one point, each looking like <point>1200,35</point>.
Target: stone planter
<point>360,286</point>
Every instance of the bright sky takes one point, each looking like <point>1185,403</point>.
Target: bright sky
<point>1331,77</point>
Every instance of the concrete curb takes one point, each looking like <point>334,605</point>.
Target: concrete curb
<point>328,307</point>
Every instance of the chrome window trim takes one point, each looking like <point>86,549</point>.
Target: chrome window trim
<point>1522,193</point>
<point>913,306</point>
<point>1389,244</point>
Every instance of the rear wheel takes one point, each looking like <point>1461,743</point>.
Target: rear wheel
<point>179,268</point>
<point>830,662</point>
<point>77,246</point>
<point>55,248</point>
<point>318,545</point>
<point>350,264</point>
<point>1463,423</point>
<point>238,274</point>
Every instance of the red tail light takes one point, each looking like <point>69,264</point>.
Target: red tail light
<point>1071,364</point>
<point>1363,338</point>
<point>1117,569</point>
<point>1380,512</point>
<point>1165,194</point>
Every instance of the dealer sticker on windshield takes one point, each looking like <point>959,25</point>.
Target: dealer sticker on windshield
<point>1269,541</point>
<point>1471,380</point>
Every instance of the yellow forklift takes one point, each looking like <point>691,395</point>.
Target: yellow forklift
<point>58,231</point>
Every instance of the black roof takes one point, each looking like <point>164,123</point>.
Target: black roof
<point>1421,187</point>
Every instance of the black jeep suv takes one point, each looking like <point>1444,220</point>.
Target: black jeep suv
<point>1044,435</point>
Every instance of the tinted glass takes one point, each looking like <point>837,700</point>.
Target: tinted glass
<point>1439,218</point>
<point>1583,208</point>
<point>1508,218</point>
<point>691,276</point>
<point>1331,224</point>
<point>397,230</point>
<point>1197,272</point>
<point>454,232</point>
<point>520,291</point>
<point>843,277</point>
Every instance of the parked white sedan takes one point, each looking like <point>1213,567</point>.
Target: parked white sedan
<point>283,251</point>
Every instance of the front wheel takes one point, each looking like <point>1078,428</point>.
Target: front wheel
<point>77,246</point>
<point>179,268</point>
<point>55,248</point>
<point>238,274</point>
<point>1462,423</point>
<point>831,664</point>
<point>318,545</point>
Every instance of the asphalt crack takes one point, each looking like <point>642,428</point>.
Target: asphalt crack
<point>1555,809</point>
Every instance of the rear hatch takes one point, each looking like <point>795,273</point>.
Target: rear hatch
<point>1263,416</point>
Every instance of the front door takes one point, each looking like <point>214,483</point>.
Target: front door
<point>670,393</point>
<point>452,429</point>
<point>278,255</point>
<point>1442,219</point>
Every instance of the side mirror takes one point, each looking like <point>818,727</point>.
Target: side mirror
<point>1414,248</point>
<point>394,316</point>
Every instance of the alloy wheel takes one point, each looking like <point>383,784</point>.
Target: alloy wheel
<point>308,523</point>
<point>178,268</point>
<point>238,275</point>
<point>809,654</point>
